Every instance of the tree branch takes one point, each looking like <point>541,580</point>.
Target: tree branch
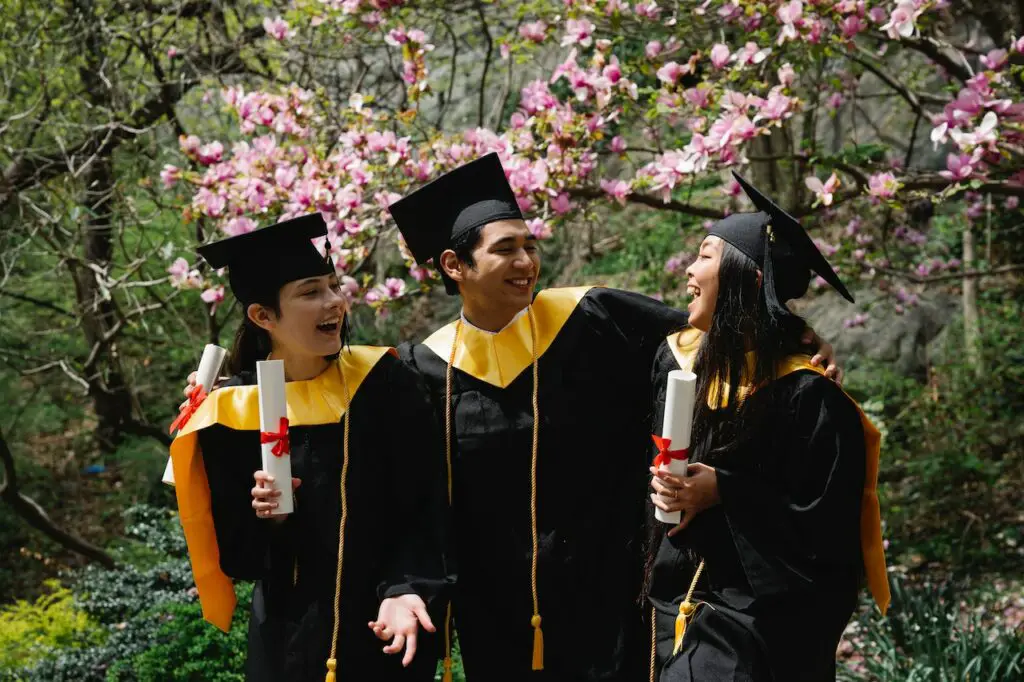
<point>487,65</point>
<point>652,202</point>
<point>34,515</point>
<point>966,274</point>
<point>36,302</point>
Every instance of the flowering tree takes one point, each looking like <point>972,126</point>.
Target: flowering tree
<point>634,103</point>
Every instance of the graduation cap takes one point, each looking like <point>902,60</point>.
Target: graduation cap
<point>779,245</point>
<point>434,216</point>
<point>262,261</point>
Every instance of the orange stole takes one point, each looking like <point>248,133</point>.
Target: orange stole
<point>317,401</point>
<point>684,346</point>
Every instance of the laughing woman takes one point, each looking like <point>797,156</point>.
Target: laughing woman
<point>780,517</point>
<point>358,548</point>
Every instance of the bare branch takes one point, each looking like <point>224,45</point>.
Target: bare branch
<point>34,515</point>
<point>652,202</point>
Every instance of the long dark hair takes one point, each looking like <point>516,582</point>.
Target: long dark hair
<point>253,344</point>
<point>740,323</point>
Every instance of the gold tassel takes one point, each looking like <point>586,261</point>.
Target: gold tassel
<point>447,677</point>
<point>331,667</point>
<point>538,644</point>
<point>686,610</point>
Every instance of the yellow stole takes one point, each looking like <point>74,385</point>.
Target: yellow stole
<point>317,401</point>
<point>499,358</point>
<point>684,346</point>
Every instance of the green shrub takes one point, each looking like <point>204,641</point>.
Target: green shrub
<point>932,634</point>
<point>29,630</point>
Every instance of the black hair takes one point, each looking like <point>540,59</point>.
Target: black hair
<point>463,246</point>
<point>741,322</point>
<point>252,343</point>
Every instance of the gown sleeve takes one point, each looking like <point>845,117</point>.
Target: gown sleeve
<point>414,562</point>
<point>798,522</point>
<point>640,322</point>
<point>231,457</point>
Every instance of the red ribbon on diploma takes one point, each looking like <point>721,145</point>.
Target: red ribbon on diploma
<point>195,399</point>
<point>664,454</point>
<point>279,439</point>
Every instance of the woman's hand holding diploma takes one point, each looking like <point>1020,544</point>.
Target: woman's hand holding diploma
<point>690,494</point>
<point>264,494</point>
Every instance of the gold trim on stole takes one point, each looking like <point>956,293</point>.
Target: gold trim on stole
<point>499,358</point>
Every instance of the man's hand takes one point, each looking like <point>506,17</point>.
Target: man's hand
<point>825,355</point>
<point>399,619</point>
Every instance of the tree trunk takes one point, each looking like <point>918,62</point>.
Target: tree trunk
<point>972,326</point>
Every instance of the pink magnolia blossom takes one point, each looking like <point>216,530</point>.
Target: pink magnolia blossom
<point>648,10</point>
<point>617,189</point>
<point>1011,203</point>
<point>853,25</point>
<point>775,108</point>
<point>786,75</point>
<point>698,97</point>
<point>561,204</point>
<point>901,21</point>
<point>789,14</point>
<point>238,225</point>
<point>835,101</point>
<point>730,11</point>
<point>277,28</point>
<point>172,52</point>
<point>719,55</point>
<point>210,153</point>
<point>170,176</point>
<point>178,271</point>
<point>535,31</point>
<point>189,145</point>
<point>539,228</point>
<point>671,72</point>
<point>618,145</point>
<point>578,32</point>
<point>653,49</point>
<point>823,191</point>
<point>1018,45</point>
<point>213,296</point>
<point>995,59</point>
<point>883,185</point>
<point>959,167</point>
<point>751,55</point>
<point>858,320</point>
<point>394,287</point>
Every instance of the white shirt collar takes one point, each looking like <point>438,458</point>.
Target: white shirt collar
<point>522,312</point>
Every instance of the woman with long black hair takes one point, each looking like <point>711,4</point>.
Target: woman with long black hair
<point>780,518</point>
<point>360,545</point>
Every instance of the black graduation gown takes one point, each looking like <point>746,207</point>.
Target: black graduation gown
<point>782,551</point>
<point>394,487</point>
<point>595,411</point>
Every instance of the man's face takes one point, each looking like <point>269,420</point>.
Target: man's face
<point>506,264</point>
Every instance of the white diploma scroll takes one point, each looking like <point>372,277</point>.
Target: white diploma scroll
<point>277,460</point>
<point>676,428</point>
<point>206,376</point>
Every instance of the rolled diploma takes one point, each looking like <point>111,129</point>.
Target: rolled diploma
<point>206,376</point>
<point>677,425</point>
<point>273,406</point>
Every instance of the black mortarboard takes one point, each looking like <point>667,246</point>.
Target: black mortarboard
<point>470,196</point>
<point>779,245</point>
<point>262,261</point>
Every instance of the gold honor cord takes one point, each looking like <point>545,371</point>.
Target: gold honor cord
<point>332,662</point>
<point>447,677</point>
<point>538,636</point>
<point>654,643</point>
<point>686,610</point>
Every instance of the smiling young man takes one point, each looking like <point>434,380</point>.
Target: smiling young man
<point>547,402</point>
